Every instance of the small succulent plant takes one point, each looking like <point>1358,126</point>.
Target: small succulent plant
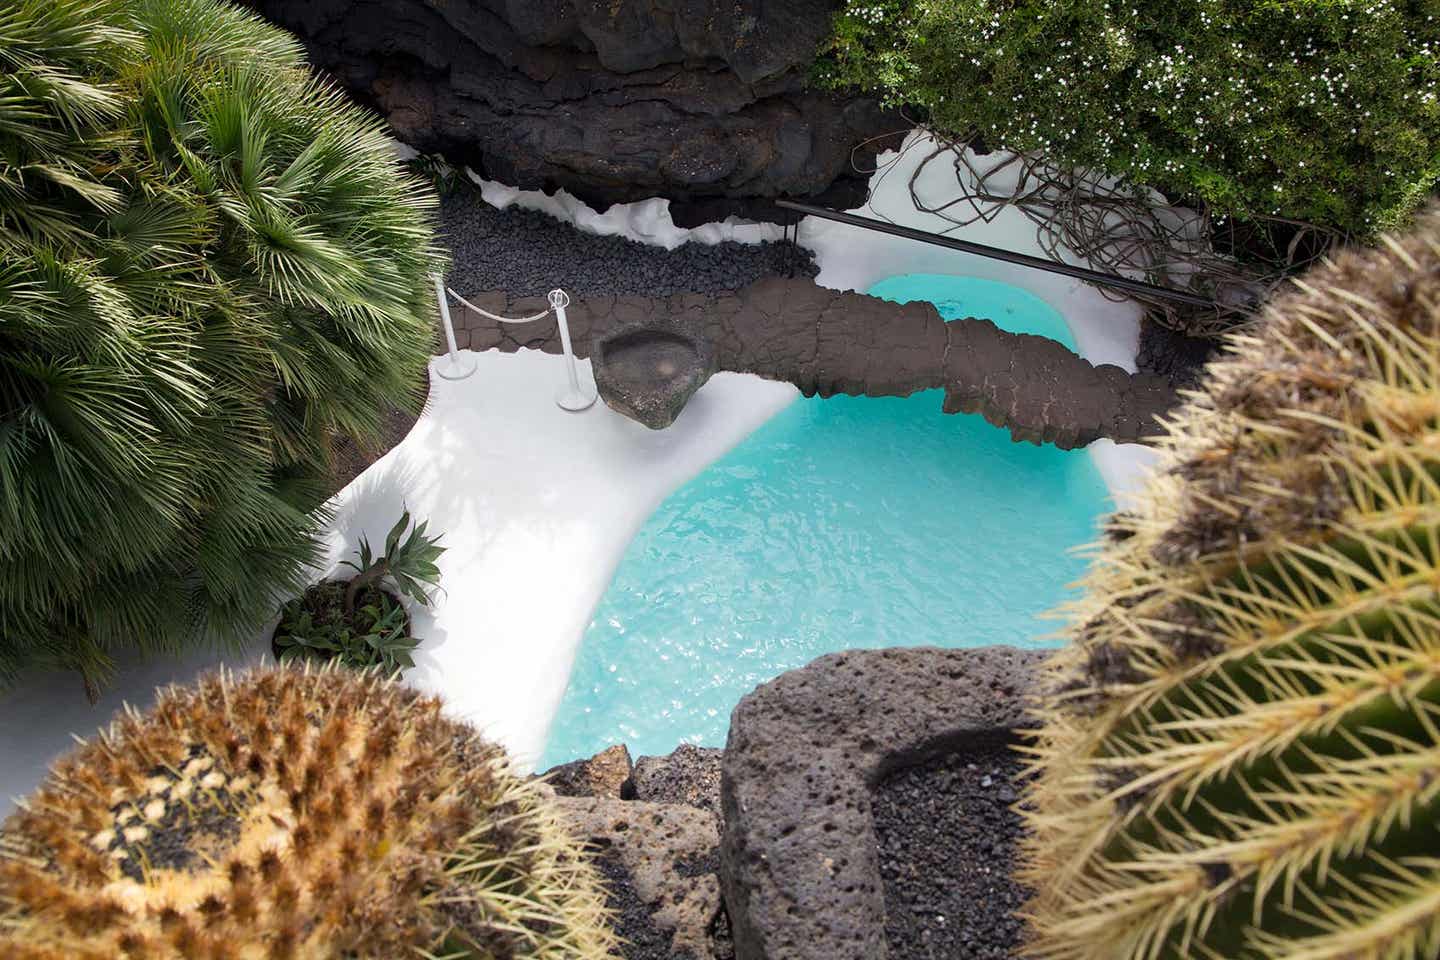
<point>293,814</point>
<point>358,622</point>
<point>1242,758</point>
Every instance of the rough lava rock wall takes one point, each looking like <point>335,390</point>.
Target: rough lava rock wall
<point>700,101</point>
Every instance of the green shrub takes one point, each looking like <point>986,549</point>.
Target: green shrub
<point>211,268</point>
<point>1241,760</point>
<point>1320,110</point>
<point>358,622</point>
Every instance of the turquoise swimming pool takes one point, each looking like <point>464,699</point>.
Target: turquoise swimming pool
<point>841,523</point>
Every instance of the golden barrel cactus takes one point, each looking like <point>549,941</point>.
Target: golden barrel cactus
<point>1241,758</point>
<point>292,814</point>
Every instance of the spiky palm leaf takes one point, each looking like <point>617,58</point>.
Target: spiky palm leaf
<point>1243,761</point>
<point>213,267</point>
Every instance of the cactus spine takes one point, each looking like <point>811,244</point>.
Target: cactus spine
<point>292,814</point>
<point>1242,756</point>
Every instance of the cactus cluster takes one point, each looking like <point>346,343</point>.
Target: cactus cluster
<point>1242,756</point>
<point>293,814</point>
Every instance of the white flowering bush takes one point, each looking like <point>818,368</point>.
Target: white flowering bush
<point>1321,110</point>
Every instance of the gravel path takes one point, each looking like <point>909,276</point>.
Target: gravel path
<point>525,253</point>
<point>947,848</point>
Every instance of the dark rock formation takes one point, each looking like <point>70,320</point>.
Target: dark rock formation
<point>689,775</point>
<point>799,858</point>
<point>607,774</point>
<point>827,342</point>
<point>650,371</point>
<point>660,860</point>
<point>701,101</point>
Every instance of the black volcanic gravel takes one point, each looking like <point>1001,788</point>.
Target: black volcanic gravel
<point>947,850</point>
<point>527,253</point>
<point>631,916</point>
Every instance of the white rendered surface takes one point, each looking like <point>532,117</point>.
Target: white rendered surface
<point>536,507</point>
<point>647,221</point>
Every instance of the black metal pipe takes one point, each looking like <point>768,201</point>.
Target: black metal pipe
<point>995,253</point>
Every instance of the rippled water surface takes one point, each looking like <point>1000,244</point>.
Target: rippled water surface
<point>841,523</point>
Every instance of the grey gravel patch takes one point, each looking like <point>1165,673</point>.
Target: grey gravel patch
<point>947,839</point>
<point>527,253</point>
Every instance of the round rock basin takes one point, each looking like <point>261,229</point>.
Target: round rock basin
<point>649,373</point>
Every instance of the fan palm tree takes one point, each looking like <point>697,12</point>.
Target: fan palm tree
<point>211,267</point>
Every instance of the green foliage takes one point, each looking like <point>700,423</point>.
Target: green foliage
<point>316,627</point>
<point>1241,756</point>
<point>1320,110</point>
<point>444,177</point>
<point>313,815</point>
<point>408,565</point>
<point>357,622</point>
<point>211,267</point>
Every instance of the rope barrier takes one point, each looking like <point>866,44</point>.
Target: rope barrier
<point>571,396</point>
<point>496,317</point>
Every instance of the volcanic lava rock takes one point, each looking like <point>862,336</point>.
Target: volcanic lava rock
<point>702,101</point>
<point>688,774</point>
<point>607,774</point>
<point>799,860</point>
<point>649,372</point>
<point>659,860</point>
<point>828,342</point>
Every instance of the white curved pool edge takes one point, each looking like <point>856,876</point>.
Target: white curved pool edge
<point>537,507</point>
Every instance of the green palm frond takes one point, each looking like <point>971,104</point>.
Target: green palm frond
<point>212,265</point>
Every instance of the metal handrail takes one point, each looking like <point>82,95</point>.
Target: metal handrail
<point>996,253</point>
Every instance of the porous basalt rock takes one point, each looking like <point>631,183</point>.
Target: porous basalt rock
<point>799,858</point>
<point>660,859</point>
<point>827,342</point>
<point>702,101</point>
<point>607,774</point>
<point>688,774</point>
<point>650,371</point>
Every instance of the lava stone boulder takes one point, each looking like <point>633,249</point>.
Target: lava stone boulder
<point>649,372</point>
<point>800,863</point>
<point>607,774</point>
<point>659,861</point>
<point>688,774</point>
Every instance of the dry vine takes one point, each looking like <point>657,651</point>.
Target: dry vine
<point>1129,230</point>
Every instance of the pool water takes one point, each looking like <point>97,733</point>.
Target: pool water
<point>1013,309</point>
<point>841,523</point>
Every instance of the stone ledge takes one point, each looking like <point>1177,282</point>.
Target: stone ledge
<point>799,861</point>
<point>828,342</point>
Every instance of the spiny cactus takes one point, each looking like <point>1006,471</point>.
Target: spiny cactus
<point>1243,756</point>
<point>292,814</point>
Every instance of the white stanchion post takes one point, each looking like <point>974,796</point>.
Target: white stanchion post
<point>455,368</point>
<point>571,397</point>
